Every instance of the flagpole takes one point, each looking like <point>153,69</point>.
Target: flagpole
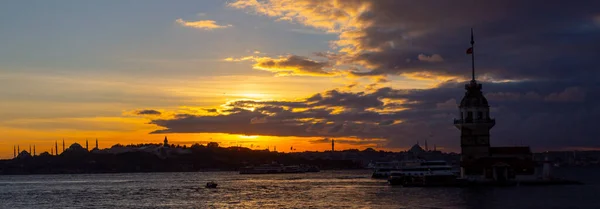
<point>472,56</point>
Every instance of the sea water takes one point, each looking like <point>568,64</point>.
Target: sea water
<point>326,189</point>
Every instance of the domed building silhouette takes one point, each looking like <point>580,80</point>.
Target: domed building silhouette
<point>23,155</point>
<point>76,148</point>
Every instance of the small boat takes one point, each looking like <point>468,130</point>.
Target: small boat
<point>211,185</point>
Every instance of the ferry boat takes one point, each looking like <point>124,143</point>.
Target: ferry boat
<point>381,170</point>
<point>426,173</point>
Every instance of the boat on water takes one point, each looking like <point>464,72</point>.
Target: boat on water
<point>275,168</point>
<point>381,170</point>
<point>425,173</point>
<point>211,185</point>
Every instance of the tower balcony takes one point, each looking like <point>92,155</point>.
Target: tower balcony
<point>474,121</point>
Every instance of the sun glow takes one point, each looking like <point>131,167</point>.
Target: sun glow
<point>253,95</point>
<point>247,137</point>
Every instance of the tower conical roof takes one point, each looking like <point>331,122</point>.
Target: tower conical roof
<point>473,97</point>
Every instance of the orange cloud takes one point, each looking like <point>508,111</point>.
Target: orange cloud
<point>331,16</point>
<point>288,65</point>
<point>202,24</point>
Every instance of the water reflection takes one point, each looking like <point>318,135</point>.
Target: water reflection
<point>352,189</point>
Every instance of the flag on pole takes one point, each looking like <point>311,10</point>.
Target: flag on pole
<point>470,50</point>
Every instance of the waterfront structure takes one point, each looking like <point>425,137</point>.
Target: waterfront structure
<point>480,161</point>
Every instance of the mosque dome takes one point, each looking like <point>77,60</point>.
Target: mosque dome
<point>416,149</point>
<point>24,154</point>
<point>76,147</point>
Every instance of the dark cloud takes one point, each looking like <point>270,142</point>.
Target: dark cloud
<point>288,65</point>
<point>211,110</point>
<point>148,112</point>
<point>550,46</point>
<point>346,141</point>
<point>515,39</point>
<point>547,115</point>
<point>293,64</point>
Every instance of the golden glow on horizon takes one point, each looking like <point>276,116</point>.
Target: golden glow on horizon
<point>44,140</point>
<point>115,122</point>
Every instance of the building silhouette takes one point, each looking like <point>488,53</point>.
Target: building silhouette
<point>480,161</point>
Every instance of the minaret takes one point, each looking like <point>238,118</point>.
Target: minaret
<point>86,145</point>
<point>33,150</point>
<point>97,143</point>
<point>14,151</point>
<point>333,145</point>
<point>474,122</point>
<point>63,145</point>
<point>56,147</point>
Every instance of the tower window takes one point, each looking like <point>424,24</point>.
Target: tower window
<point>469,116</point>
<point>479,115</point>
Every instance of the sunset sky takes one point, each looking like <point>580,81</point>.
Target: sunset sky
<point>381,73</point>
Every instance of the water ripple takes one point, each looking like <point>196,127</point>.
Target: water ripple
<point>351,189</point>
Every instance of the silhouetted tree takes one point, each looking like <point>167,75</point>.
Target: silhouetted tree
<point>213,145</point>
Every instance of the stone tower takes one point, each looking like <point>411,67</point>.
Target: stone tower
<point>474,122</point>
